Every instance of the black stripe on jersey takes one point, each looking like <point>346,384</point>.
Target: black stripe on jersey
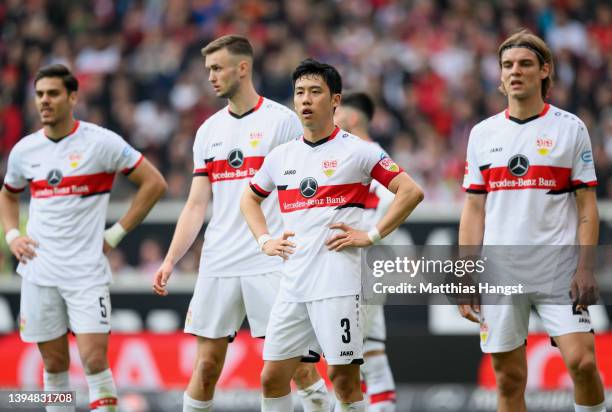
<point>200,174</point>
<point>284,187</point>
<point>258,192</point>
<point>523,121</point>
<point>96,194</point>
<point>357,361</point>
<point>359,205</point>
<point>476,191</point>
<point>240,116</point>
<point>562,191</point>
<point>375,339</point>
<point>317,143</point>
<point>484,167</point>
<point>210,159</point>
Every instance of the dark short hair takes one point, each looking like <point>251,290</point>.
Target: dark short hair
<point>328,73</point>
<point>359,101</point>
<point>61,71</point>
<point>526,39</point>
<point>234,43</point>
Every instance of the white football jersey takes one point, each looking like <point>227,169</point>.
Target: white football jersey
<point>70,181</point>
<point>320,184</point>
<point>529,170</point>
<point>229,149</point>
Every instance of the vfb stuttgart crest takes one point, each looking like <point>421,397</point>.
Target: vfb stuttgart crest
<point>389,165</point>
<point>544,145</point>
<point>255,138</point>
<point>329,167</point>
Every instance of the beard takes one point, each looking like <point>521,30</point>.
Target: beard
<point>231,91</point>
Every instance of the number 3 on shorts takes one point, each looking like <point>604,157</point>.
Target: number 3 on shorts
<point>102,307</point>
<point>346,324</point>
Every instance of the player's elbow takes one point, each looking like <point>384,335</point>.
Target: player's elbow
<point>412,194</point>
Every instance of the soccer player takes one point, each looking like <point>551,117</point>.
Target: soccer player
<point>322,181</point>
<point>549,152</point>
<point>354,115</point>
<point>69,166</point>
<point>236,278</point>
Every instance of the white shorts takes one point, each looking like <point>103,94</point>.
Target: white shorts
<point>219,305</point>
<point>48,312</point>
<point>375,330</point>
<point>332,326</point>
<point>504,327</point>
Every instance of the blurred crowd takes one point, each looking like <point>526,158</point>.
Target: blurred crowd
<point>431,67</point>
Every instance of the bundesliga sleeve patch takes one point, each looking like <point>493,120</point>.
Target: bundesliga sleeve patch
<point>385,170</point>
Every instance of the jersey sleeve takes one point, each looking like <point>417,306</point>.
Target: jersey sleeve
<point>199,154</point>
<point>262,184</point>
<point>379,165</point>
<point>583,168</point>
<point>473,181</point>
<point>122,157</point>
<point>291,129</point>
<point>14,181</point>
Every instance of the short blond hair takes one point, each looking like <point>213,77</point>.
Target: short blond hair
<point>526,39</point>
<point>234,43</point>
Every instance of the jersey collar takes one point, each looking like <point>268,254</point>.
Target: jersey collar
<point>73,131</point>
<point>240,116</point>
<point>527,120</point>
<point>324,140</point>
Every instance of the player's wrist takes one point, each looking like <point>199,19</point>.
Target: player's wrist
<point>261,240</point>
<point>114,234</point>
<point>11,235</point>
<point>374,235</point>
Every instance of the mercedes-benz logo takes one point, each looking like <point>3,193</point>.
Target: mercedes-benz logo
<point>518,165</point>
<point>235,158</point>
<point>54,177</point>
<point>308,187</point>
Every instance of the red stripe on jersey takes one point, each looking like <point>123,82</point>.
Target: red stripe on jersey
<point>372,201</point>
<point>13,189</point>
<point>258,190</point>
<point>103,402</point>
<point>385,170</point>
<point>326,196</point>
<point>220,170</point>
<point>84,185</point>
<point>477,188</point>
<point>537,177</point>
<point>592,183</point>
<point>129,170</point>
<point>388,396</point>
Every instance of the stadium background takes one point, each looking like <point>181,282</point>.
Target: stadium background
<point>431,67</point>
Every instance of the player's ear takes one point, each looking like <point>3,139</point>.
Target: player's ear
<point>336,98</point>
<point>545,71</point>
<point>73,98</point>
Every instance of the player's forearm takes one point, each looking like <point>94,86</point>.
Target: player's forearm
<point>147,195</point>
<point>471,225</point>
<point>9,210</point>
<point>253,214</point>
<point>187,228</point>
<point>588,228</point>
<point>406,199</point>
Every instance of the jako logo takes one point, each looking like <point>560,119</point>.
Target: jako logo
<point>289,172</point>
<point>346,353</point>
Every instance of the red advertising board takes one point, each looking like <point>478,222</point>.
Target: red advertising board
<point>545,364</point>
<point>140,361</point>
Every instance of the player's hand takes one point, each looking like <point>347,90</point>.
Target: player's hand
<point>470,312</point>
<point>280,247</point>
<point>106,248</point>
<point>583,289</point>
<point>23,248</point>
<point>161,278</point>
<point>348,238</point>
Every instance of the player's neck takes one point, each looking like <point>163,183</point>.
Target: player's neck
<point>313,135</point>
<point>61,129</point>
<point>524,109</point>
<point>244,100</point>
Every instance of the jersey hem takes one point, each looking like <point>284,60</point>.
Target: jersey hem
<point>284,297</point>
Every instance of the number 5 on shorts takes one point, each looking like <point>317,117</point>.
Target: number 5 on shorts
<point>102,307</point>
<point>346,324</point>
